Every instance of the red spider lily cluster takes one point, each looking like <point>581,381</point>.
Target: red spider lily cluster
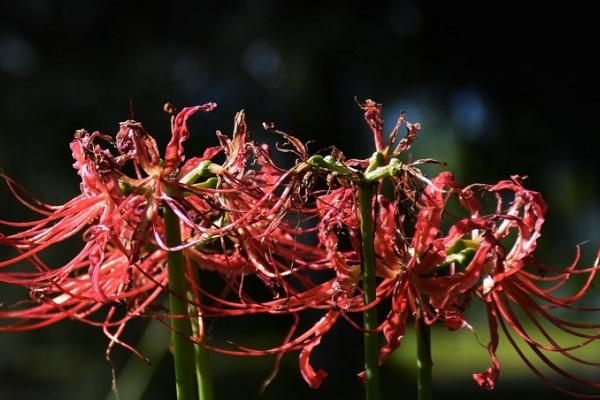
<point>297,230</point>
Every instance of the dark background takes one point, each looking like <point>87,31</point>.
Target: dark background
<point>499,90</point>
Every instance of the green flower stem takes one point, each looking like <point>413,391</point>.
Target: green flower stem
<point>203,370</point>
<point>183,348</point>
<point>393,168</point>
<point>201,171</point>
<point>329,164</point>
<point>371,339</point>
<point>424,362</point>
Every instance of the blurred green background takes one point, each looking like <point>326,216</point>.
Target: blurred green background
<point>499,90</point>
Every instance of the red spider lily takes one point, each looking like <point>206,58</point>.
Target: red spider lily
<point>510,283</point>
<point>107,218</point>
<point>337,211</point>
<point>473,260</point>
<point>435,275</point>
<point>236,223</point>
<point>267,245</point>
<point>337,214</point>
<point>247,216</point>
<point>114,226</point>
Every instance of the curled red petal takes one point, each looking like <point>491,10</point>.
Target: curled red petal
<point>394,326</point>
<point>312,377</point>
<point>454,319</point>
<point>487,379</point>
<point>375,121</point>
<point>431,208</point>
<point>236,148</point>
<point>174,154</point>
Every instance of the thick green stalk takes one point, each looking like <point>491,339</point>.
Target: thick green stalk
<point>203,370</point>
<point>371,339</point>
<point>424,362</point>
<point>183,348</point>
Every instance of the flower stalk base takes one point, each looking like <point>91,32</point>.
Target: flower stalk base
<point>371,339</point>
<point>424,361</point>
<point>183,348</point>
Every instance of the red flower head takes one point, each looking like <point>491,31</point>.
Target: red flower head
<point>491,257</point>
<point>236,219</point>
<point>298,231</point>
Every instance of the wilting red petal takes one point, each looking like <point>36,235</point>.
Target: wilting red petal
<point>141,147</point>
<point>98,236</point>
<point>395,324</point>
<point>431,208</point>
<point>295,145</point>
<point>174,154</point>
<point>375,121</point>
<point>411,135</point>
<point>235,148</point>
<point>454,320</point>
<point>314,379</point>
<point>488,379</point>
